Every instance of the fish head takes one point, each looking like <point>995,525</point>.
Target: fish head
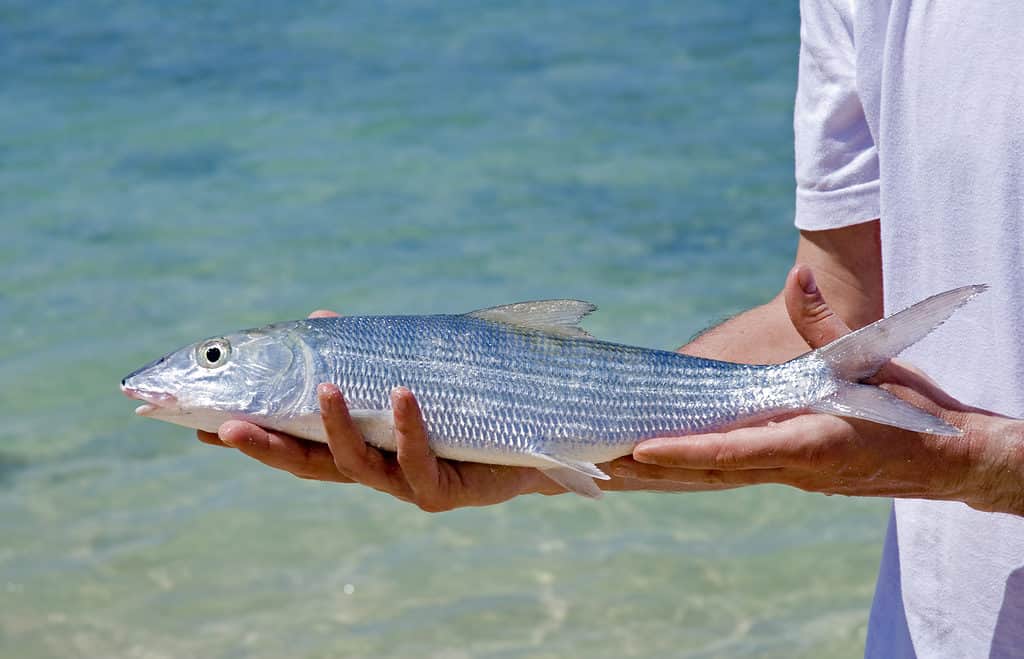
<point>244,375</point>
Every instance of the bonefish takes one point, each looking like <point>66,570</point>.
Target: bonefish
<point>522,384</point>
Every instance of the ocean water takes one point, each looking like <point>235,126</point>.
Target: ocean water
<point>170,171</point>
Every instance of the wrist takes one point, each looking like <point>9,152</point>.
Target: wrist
<point>997,482</point>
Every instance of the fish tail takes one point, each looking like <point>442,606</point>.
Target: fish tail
<point>860,355</point>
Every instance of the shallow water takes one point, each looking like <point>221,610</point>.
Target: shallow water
<point>172,171</point>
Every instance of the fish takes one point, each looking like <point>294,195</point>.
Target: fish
<point>523,384</point>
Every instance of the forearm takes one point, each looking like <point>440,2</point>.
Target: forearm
<point>993,453</point>
<point>847,265</point>
<point>762,335</point>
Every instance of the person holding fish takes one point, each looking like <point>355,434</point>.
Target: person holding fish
<point>909,158</point>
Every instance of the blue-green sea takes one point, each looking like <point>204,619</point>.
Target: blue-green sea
<point>173,170</point>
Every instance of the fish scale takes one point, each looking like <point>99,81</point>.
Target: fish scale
<point>541,387</point>
<point>521,384</point>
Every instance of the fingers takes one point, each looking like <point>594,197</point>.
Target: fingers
<point>810,314</point>
<point>419,464</point>
<point>351,455</point>
<point>799,442</point>
<point>323,313</point>
<point>629,475</point>
<point>668,478</point>
<point>299,457</point>
<point>210,438</point>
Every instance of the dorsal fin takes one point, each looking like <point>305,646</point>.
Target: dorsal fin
<point>560,317</point>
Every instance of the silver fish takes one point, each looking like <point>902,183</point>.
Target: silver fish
<point>522,384</point>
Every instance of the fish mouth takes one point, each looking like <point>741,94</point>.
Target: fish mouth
<point>153,400</point>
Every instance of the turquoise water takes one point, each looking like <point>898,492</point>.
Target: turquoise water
<point>174,170</point>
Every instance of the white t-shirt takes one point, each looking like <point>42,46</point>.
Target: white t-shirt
<point>913,111</point>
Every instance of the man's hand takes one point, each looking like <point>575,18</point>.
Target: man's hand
<point>821,453</point>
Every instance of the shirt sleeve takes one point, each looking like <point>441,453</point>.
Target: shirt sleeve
<point>835,154</point>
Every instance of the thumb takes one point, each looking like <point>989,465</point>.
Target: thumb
<point>810,314</point>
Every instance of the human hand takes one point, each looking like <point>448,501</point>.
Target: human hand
<point>413,474</point>
<point>821,453</point>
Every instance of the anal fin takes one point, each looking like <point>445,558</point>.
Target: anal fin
<point>586,468</point>
<point>574,481</point>
<point>574,475</point>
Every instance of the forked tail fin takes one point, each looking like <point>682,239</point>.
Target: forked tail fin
<point>860,354</point>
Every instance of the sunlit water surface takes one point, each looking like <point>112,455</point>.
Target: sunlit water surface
<point>170,171</point>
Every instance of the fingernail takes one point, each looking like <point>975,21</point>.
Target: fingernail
<point>641,452</point>
<point>398,399</point>
<point>623,471</point>
<point>805,277</point>
<point>224,432</point>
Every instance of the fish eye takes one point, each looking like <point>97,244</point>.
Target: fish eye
<point>213,353</point>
